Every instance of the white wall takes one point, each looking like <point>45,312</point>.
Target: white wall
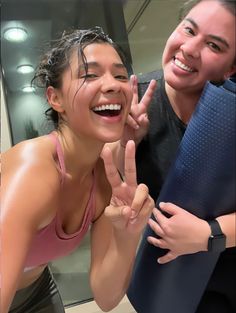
<point>5,127</point>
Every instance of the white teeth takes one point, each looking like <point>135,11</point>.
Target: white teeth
<point>183,66</point>
<point>111,107</point>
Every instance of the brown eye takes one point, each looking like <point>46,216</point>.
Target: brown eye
<point>214,46</point>
<point>121,77</point>
<point>189,30</point>
<point>89,76</point>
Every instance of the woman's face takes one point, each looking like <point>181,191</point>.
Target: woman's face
<point>201,48</point>
<point>97,107</point>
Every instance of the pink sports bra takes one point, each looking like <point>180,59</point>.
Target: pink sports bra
<point>51,242</point>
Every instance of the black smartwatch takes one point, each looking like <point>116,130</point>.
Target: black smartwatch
<point>217,239</point>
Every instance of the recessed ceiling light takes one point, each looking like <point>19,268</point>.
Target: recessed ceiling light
<point>28,89</point>
<point>25,68</point>
<point>15,34</point>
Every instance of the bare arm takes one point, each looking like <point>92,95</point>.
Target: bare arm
<point>116,234</point>
<point>23,210</point>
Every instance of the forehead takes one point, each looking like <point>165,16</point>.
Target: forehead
<point>213,18</point>
<point>214,15</point>
<point>97,52</point>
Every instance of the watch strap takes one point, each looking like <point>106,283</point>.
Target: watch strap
<point>217,239</point>
<point>215,228</point>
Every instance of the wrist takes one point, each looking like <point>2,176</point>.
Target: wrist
<point>125,239</point>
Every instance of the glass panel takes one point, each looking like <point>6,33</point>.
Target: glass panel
<point>71,274</point>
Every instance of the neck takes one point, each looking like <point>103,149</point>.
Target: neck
<point>80,155</point>
<point>183,103</point>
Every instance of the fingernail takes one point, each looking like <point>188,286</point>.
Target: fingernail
<point>133,214</point>
<point>159,261</point>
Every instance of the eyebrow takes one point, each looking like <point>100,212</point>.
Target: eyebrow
<point>96,64</point>
<point>217,38</point>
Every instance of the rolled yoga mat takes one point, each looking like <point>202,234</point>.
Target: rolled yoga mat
<point>202,181</point>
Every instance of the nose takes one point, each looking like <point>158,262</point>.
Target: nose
<point>110,84</point>
<point>191,48</point>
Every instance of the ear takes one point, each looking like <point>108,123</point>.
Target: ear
<point>54,99</point>
<point>230,72</point>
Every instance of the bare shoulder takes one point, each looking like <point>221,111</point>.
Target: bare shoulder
<point>29,173</point>
<point>103,189</point>
<point>34,151</point>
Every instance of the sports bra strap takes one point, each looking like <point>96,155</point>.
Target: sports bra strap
<point>60,154</point>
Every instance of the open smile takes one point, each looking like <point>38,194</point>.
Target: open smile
<point>108,109</point>
<point>183,66</point>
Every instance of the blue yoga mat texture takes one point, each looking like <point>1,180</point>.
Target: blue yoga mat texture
<point>202,181</point>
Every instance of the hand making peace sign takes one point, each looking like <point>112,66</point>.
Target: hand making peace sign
<point>137,121</point>
<point>130,205</point>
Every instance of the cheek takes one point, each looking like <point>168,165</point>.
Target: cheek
<point>214,67</point>
<point>81,96</point>
<point>171,47</point>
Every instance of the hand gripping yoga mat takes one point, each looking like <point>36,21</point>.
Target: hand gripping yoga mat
<point>201,180</point>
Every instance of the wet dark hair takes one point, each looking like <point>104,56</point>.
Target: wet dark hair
<point>230,5</point>
<point>54,62</point>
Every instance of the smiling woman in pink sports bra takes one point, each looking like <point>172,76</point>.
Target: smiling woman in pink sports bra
<point>56,186</point>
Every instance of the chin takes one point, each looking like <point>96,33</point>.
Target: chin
<point>110,139</point>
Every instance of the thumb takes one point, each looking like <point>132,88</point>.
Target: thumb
<point>169,256</point>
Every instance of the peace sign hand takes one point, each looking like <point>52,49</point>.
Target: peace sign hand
<point>130,205</point>
<point>137,121</point>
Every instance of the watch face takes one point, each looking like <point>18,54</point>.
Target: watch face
<point>217,243</point>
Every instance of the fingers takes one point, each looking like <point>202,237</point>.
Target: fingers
<point>135,102</point>
<point>160,218</point>
<point>138,108</point>
<point>143,120</point>
<point>170,256</point>
<point>147,97</point>
<point>157,242</point>
<point>134,86</point>
<point>118,216</point>
<point>160,243</point>
<point>156,228</point>
<point>140,197</point>
<point>132,122</point>
<point>111,171</point>
<point>170,208</point>
<point>130,165</point>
